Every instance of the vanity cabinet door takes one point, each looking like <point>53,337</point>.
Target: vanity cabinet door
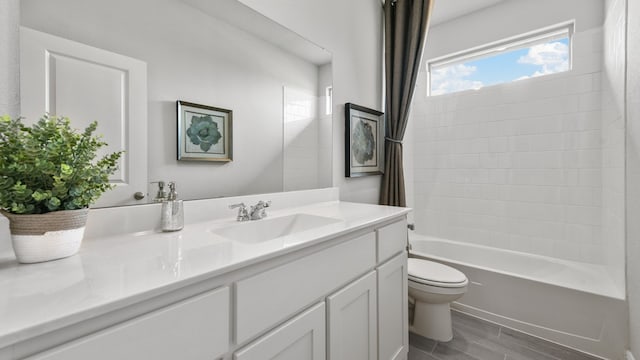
<point>352,321</point>
<point>301,338</point>
<point>193,329</point>
<point>393,322</point>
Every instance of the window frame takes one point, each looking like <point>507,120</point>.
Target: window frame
<point>546,34</point>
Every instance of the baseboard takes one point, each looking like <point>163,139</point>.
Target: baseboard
<point>630,355</point>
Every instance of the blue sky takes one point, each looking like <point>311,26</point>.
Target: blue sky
<point>537,60</point>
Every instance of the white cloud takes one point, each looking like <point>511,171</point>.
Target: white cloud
<point>452,78</point>
<point>551,58</point>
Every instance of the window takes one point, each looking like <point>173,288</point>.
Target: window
<point>543,52</point>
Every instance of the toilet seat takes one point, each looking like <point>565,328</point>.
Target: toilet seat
<point>435,274</point>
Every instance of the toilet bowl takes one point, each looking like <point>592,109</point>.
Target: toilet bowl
<point>433,286</point>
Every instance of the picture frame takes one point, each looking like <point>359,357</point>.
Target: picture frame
<point>364,141</point>
<point>205,133</point>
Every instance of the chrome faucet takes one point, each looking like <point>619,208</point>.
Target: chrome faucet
<point>243,212</point>
<point>258,211</point>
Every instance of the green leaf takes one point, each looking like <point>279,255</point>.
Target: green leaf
<point>50,166</point>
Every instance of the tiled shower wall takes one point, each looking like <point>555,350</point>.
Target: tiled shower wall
<point>516,166</point>
<point>301,135</point>
<point>307,128</point>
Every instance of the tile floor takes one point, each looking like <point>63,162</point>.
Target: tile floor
<point>475,339</point>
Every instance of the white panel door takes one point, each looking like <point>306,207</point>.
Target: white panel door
<point>301,338</point>
<point>393,322</point>
<point>352,321</point>
<point>66,78</point>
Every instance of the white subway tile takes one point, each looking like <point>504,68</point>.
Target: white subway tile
<point>498,144</point>
<point>581,234</point>
<point>590,158</point>
<point>536,211</point>
<point>537,160</point>
<point>591,139</point>
<point>520,143</point>
<point>466,161</point>
<point>584,196</point>
<point>571,177</point>
<point>538,125</point>
<point>504,161</point>
<point>585,215</point>
<point>581,83</point>
<point>498,176</point>
<point>543,142</point>
<point>590,177</point>
<point>500,128</point>
<point>590,101</point>
<point>587,64</point>
<point>489,160</point>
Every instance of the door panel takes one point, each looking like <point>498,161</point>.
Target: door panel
<point>65,78</point>
<point>352,321</point>
<point>393,319</point>
<point>302,338</point>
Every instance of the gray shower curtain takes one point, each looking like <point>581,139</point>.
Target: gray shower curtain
<point>406,24</point>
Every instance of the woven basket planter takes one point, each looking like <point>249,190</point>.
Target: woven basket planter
<point>45,237</point>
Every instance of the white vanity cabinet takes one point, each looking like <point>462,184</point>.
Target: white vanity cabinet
<point>392,287</point>
<point>344,298</point>
<point>364,284</point>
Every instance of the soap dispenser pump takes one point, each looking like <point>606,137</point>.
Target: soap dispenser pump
<point>172,211</point>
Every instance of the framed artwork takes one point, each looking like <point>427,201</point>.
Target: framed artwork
<point>364,141</point>
<point>205,133</point>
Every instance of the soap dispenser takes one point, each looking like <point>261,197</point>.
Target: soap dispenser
<point>172,211</point>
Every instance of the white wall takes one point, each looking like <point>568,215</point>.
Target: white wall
<point>194,57</point>
<point>517,165</point>
<point>613,139</point>
<point>9,80</point>
<point>9,58</point>
<point>352,31</point>
<point>633,175</point>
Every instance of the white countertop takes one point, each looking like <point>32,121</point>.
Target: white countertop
<point>111,272</point>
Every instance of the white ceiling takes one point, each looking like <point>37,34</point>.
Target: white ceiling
<point>445,10</point>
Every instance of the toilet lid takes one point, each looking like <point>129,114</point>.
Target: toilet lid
<point>433,273</point>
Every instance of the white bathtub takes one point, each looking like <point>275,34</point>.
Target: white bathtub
<point>566,302</point>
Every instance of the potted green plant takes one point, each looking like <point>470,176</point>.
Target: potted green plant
<point>49,175</point>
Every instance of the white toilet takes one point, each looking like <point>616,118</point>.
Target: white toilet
<point>433,286</point>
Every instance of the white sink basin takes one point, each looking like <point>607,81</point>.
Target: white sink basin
<point>271,228</point>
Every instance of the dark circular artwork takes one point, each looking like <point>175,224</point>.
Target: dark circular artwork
<point>203,131</point>
<point>363,145</point>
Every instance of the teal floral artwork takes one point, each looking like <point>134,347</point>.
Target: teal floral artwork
<point>363,145</point>
<point>203,132</point>
<point>364,141</point>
